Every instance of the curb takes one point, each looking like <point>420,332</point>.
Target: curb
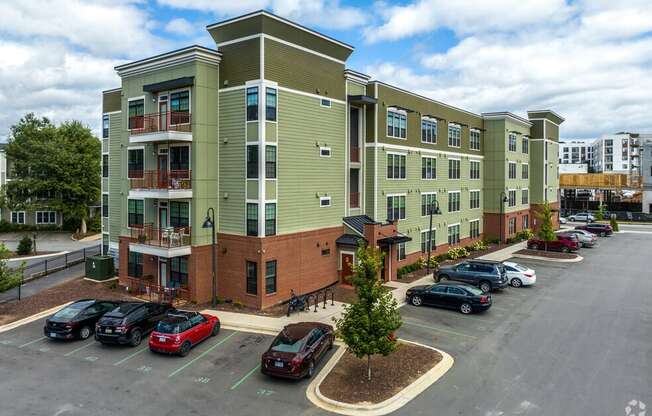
<point>100,281</point>
<point>59,253</point>
<point>388,406</point>
<point>37,316</point>
<point>528,256</point>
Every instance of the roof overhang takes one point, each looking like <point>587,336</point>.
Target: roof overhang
<point>361,100</point>
<point>547,114</point>
<point>395,239</point>
<point>169,85</point>
<point>193,53</point>
<point>506,115</point>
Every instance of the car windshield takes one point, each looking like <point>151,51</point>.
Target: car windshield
<point>519,267</point>
<point>71,311</point>
<point>474,290</point>
<point>166,327</point>
<point>285,342</point>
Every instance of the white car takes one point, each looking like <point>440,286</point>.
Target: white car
<point>582,217</point>
<point>562,220</point>
<point>519,275</point>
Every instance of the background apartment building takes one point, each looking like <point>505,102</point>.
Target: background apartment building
<point>575,156</point>
<point>301,159</point>
<point>617,153</point>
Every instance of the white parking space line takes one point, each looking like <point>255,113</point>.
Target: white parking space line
<point>131,355</point>
<point>178,370</point>
<point>32,342</point>
<point>434,328</point>
<point>68,354</point>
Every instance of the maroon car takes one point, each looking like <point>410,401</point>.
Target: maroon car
<point>563,243</point>
<point>295,352</point>
<point>602,230</point>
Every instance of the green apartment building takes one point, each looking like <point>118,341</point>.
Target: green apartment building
<point>301,159</point>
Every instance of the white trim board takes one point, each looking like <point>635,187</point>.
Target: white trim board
<point>423,150</point>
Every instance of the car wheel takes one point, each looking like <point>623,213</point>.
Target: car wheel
<point>466,308</point>
<point>416,300</point>
<point>443,278</point>
<point>603,234</point>
<point>216,329</point>
<point>85,332</point>
<point>136,338</point>
<point>534,247</point>
<point>571,219</point>
<point>516,282</point>
<point>185,349</point>
<point>330,344</point>
<point>485,287</point>
<point>564,250</point>
<point>311,369</point>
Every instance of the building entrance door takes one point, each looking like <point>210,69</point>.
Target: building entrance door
<point>347,270</point>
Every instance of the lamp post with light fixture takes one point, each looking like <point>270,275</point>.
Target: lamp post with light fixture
<point>503,199</point>
<point>209,222</point>
<point>433,209</point>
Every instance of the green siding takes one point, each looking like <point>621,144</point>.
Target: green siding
<point>369,183</point>
<point>111,101</point>
<point>270,131</point>
<point>355,89</point>
<point>118,186</point>
<point>240,63</point>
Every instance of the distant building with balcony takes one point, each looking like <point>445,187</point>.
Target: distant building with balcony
<point>646,171</point>
<point>617,153</point>
<point>576,152</point>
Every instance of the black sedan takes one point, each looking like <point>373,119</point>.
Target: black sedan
<point>465,298</point>
<point>77,320</point>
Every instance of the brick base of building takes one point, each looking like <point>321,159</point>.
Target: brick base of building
<point>440,249</point>
<point>492,223</point>
<point>536,210</point>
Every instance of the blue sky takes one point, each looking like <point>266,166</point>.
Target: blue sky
<point>589,60</point>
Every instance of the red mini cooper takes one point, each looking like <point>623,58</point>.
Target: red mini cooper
<point>180,331</point>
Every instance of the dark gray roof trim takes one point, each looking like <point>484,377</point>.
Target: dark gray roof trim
<point>357,222</point>
<point>169,85</point>
<point>349,240</point>
<point>362,99</point>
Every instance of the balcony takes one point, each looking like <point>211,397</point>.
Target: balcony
<point>163,242</point>
<point>158,127</point>
<point>354,200</point>
<point>355,155</point>
<point>153,292</point>
<point>161,184</point>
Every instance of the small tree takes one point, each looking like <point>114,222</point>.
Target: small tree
<point>613,222</point>
<point>546,232</point>
<point>367,326</point>
<point>24,246</point>
<point>599,216</point>
<point>8,277</point>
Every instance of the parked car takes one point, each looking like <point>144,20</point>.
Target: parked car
<point>562,220</point>
<point>451,295</point>
<point>77,320</point>
<point>519,275</point>
<point>296,351</point>
<point>586,238</point>
<point>485,274</point>
<point>602,230</point>
<point>178,332</point>
<point>582,216</point>
<point>129,322</point>
<point>563,243</point>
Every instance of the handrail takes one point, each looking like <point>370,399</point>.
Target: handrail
<point>157,122</point>
<point>169,237</point>
<point>162,293</point>
<point>156,179</point>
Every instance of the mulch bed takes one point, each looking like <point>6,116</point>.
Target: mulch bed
<point>347,382</point>
<point>547,254</point>
<point>413,276</point>
<point>346,293</point>
<point>274,311</point>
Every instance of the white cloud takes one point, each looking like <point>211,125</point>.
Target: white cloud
<point>181,26</point>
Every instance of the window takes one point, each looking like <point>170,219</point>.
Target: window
<point>474,169</point>
<point>179,214</point>
<point>105,166</point>
<point>180,107</point>
<point>424,240</point>
<point>474,139</point>
<point>525,145</point>
<point>270,219</point>
<point>270,104</point>
<point>324,152</point>
<point>474,228</point>
<point>453,234</point>
<point>252,104</point>
<point>270,276</point>
<point>512,142</point>
<point>511,199</point>
<point>401,251</point>
<point>325,201</point>
<point>428,202</point>
<point>512,170</point>
<point>526,222</point>
<point>105,126</point>
<point>525,174</point>
<point>179,271</point>
<point>545,147</point>
<point>18,217</point>
<point>252,277</point>
<point>270,162</point>
<point>396,124</point>
<point>325,102</point>
<point>136,113</point>
<point>428,168</point>
<point>135,209</point>
<point>454,201</point>
<point>453,168</point>
<point>525,197</point>
<point>252,219</point>
<point>46,217</point>
<point>512,226</point>
<point>428,130</point>
<point>396,166</point>
<point>474,199</point>
<point>180,158</point>
<point>105,205</point>
<point>135,264</point>
<point>252,161</point>
<point>396,207</point>
<point>454,135</point>
<point>105,244</point>
<point>135,163</point>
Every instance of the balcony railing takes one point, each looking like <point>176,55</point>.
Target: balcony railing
<point>355,154</point>
<point>354,200</point>
<point>158,179</point>
<point>151,291</point>
<point>158,122</point>
<point>167,237</point>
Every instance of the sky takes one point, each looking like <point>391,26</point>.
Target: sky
<point>588,60</point>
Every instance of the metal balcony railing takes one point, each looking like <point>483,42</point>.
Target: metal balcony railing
<point>165,237</point>
<point>158,122</point>
<point>158,179</point>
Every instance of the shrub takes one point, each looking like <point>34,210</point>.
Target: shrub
<point>613,223</point>
<point>441,258</point>
<point>452,253</point>
<point>479,245</point>
<point>421,263</point>
<point>95,224</point>
<point>24,246</point>
<point>433,263</point>
<point>525,234</point>
<point>237,304</point>
<point>455,253</point>
<point>491,241</point>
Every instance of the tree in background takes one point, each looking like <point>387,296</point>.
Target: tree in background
<point>613,222</point>
<point>546,231</point>
<point>56,168</point>
<point>9,277</point>
<point>367,326</point>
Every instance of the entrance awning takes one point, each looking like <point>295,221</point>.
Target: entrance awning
<point>169,85</point>
<point>349,240</point>
<point>362,100</point>
<point>395,239</point>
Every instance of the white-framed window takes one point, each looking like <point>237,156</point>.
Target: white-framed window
<point>105,126</point>
<point>401,255</point>
<point>454,201</point>
<point>324,152</point>
<point>525,146</point>
<point>396,166</point>
<point>512,142</point>
<point>270,104</point>
<point>525,171</point>
<point>396,124</point>
<point>474,139</point>
<point>511,198</point>
<point>324,201</point>
<point>18,217</point>
<point>325,102</point>
<point>454,135</point>
<point>395,207</point>
<point>474,169</point>
<point>46,217</point>
<point>474,199</point>
<point>427,203</point>
<point>474,228</point>
<point>525,196</point>
<point>428,237</point>
<point>428,130</point>
<point>453,168</point>
<point>453,234</point>
<point>512,226</point>
<point>526,222</point>
<point>428,167</point>
<point>512,170</point>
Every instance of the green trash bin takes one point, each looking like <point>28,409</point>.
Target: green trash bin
<point>99,267</point>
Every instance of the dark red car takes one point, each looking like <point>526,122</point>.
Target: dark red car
<point>564,243</point>
<point>295,352</point>
<point>180,331</point>
<point>602,230</point>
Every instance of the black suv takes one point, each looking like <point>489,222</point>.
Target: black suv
<point>127,323</point>
<point>485,274</point>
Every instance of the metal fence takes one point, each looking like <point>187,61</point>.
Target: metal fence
<point>620,215</point>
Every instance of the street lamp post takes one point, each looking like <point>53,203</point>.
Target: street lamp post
<point>503,199</point>
<point>209,222</point>
<point>433,208</point>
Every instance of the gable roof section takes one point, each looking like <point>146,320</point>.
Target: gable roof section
<point>357,222</point>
